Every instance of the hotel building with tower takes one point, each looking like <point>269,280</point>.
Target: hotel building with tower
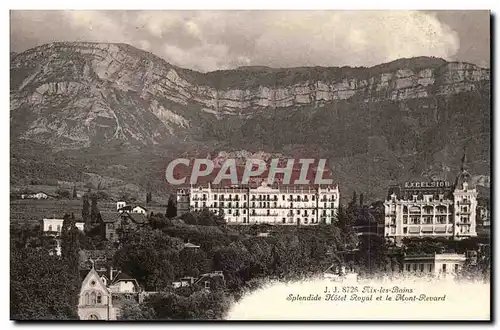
<point>432,209</point>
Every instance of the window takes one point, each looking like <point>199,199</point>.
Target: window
<point>59,228</point>
<point>93,298</point>
<point>244,211</point>
<point>87,299</point>
<point>207,284</point>
<point>444,268</point>
<point>312,198</point>
<point>215,196</point>
<point>283,220</point>
<point>405,230</point>
<point>110,226</point>
<point>283,197</point>
<point>456,268</point>
<point>407,267</point>
<point>110,235</point>
<point>414,267</point>
<point>429,267</point>
<point>313,211</point>
<point>298,211</point>
<point>99,298</point>
<point>50,227</point>
<point>421,267</point>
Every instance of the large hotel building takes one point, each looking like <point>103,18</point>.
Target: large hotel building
<point>432,209</point>
<point>289,205</point>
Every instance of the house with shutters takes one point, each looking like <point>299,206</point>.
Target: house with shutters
<point>112,223</point>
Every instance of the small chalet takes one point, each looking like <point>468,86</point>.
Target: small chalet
<point>139,209</point>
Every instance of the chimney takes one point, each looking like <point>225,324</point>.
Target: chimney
<point>110,274</point>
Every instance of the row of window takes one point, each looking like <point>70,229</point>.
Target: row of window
<point>264,197</point>
<point>92,298</point>
<point>58,228</point>
<point>421,267</point>
<point>253,205</point>
<point>284,220</point>
<point>268,212</point>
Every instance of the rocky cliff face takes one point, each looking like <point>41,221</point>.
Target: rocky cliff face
<point>79,92</point>
<point>392,120</point>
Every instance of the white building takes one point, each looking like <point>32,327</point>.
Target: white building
<point>120,205</point>
<point>289,205</point>
<point>139,209</point>
<point>437,265</point>
<point>55,225</point>
<point>432,209</point>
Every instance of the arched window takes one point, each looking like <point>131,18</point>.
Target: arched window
<point>93,298</point>
<point>87,300</point>
<point>50,227</point>
<point>99,298</point>
<point>93,317</point>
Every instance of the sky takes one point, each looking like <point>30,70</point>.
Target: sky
<point>217,40</point>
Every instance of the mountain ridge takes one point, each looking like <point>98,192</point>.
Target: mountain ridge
<point>417,112</point>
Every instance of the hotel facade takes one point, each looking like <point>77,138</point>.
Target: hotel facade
<point>432,209</point>
<point>287,205</point>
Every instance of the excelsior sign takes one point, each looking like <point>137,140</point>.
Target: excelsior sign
<point>432,184</point>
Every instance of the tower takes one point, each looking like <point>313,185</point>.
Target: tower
<point>464,203</point>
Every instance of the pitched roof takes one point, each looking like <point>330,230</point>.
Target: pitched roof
<point>138,217</point>
<point>110,216</point>
<point>123,277</point>
<point>191,245</point>
<point>142,207</point>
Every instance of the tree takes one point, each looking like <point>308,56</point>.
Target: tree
<point>86,209</point>
<point>70,244</point>
<point>171,208</point>
<point>41,288</point>
<point>149,256</point>
<point>63,193</point>
<point>130,310</point>
<point>94,209</point>
<point>354,200</point>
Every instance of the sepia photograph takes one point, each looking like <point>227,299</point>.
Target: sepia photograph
<point>250,165</point>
